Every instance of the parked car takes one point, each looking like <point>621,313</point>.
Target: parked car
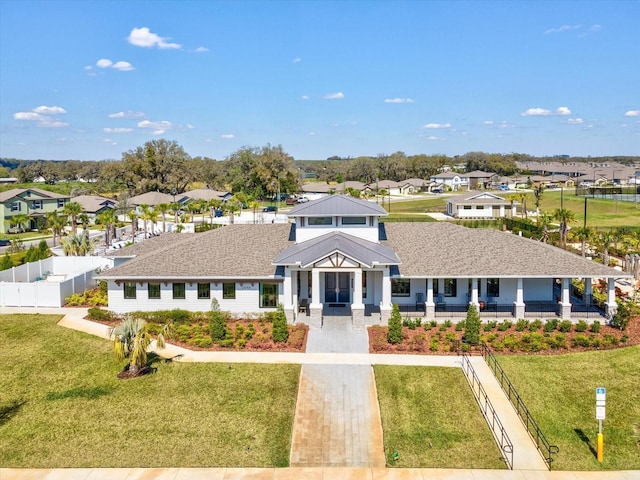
<point>218,213</point>
<point>4,242</point>
<point>291,201</point>
<point>303,199</point>
<point>270,208</point>
<point>503,188</point>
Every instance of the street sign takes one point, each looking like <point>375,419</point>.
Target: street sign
<point>601,394</point>
<point>600,413</point>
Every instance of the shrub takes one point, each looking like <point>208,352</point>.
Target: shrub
<point>101,315</point>
<point>433,346</point>
<point>521,325</point>
<point>532,342</point>
<point>472,326</point>
<point>411,324</point>
<point>558,341</point>
<point>535,325</point>
<point>565,326</point>
<point>511,342</point>
<point>595,327</point>
<point>581,326</point>
<point>551,324</point>
<point>460,326</point>
<point>280,331</point>
<point>394,333</point>
<point>505,325</point>
<point>625,311</point>
<point>226,343</point>
<point>217,324</point>
<point>183,333</point>
<point>581,341</point>
<point>624,338</point>
<point>609,340</point>
<point>490,326</point>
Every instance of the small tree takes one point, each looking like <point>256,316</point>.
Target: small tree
<point>472,326</point>
<point>217,324</point>
<point>131,338</point>
<point>394,333</point>
<point>626,309</point>
<point>280,330</point>
<point>5,261</point>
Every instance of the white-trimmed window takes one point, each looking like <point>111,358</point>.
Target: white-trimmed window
<point>354,220</point>
<point>130,290</point>
<point>204,291</point>
<point>400,287</point>
<point>36,205</point>
<point>320,221</point>
<point>15,206</point>
<point>179,291</point>
<point>153,291</point>
<point>229,291</point>
<point>268,295</point>
<point>450,287</point>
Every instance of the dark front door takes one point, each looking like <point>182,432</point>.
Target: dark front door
<point>336,287</point>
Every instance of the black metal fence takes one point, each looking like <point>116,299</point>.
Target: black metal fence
<point>499,433</point>
<point>546,449</point>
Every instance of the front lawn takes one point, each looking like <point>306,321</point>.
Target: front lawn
<point>61,405</point>
<point>431,418</point>
<point>560,393</point>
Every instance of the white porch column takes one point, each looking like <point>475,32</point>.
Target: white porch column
<point>612,306</point>
<point>357,307</point>
<point>519,303</point>
<point>588,291</point>
<point>474,292</point>
<point>286,294</point>
<point>565,303</point>
<point>430,306</point>
<point>385,304</point>
<point>315,307</point>
<point>294,292</point>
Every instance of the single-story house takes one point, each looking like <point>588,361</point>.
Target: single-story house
<point>154,198</point>
<point>337,257</point>
<point>204,194</point>
<point>94,204</point>
<point>33,202</point>
<point>414,185</point>
<point>479,205</point>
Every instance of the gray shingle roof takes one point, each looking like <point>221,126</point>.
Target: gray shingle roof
<point>342,205</point>
<point>478,198</point>
<point>151,245</point>
<point>14,192</point>
<point>93,203</point>
<point>362,251</point>
<point>443,250</point>
<point>151,198</point>
<point>234,251</point>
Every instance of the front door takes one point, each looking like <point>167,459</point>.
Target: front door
<point>336,287</point>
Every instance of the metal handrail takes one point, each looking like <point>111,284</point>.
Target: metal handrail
<point>546,449</point>
<point>498,431</point>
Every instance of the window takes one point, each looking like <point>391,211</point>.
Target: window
<point>479,207</point>
<point>268,295</point>
<point>36,205</point>
<point>315,221</point>
<point>493,287</point>
<point>204,291</point>
<point>130,290</point>
<point>354,220</point>
<point>450,287</point>
<point>15,206</point>
<point>153,289</point>
<point>178,290</point>
<point>61,203</point>
<point>229,291</point>
<point>467,207</point>
<point>400,287</point>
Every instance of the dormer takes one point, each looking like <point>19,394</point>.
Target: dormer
<point>337,213</point>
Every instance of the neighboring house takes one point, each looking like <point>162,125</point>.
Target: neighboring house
<point>479,205</point>
<point>33,202</point>
<point>94,204</point>
<point>204,194</point>
<point>154,198</point>
<point>451,180</point>
<point>414,185</point>
<point>394,188</point>
<point>8,180</point>
<point>480,180</point>
<point>337,258</point>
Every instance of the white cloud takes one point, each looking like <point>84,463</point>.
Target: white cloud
<point>117,130</point>
<point>104,63</point>
<point>596,28</point>
<point>127,114</point>
<point>562,28</point>
<point>334,96</point>
<point>543,112</point>
<point>123,66</point>
<point>49,110</point>
<point>575,121</point>
<point>398,100</point>
<point>227,136</point>
<point>437,125</point>
<point>297,60</point>
<point>159,132</point>
<point>88,67</point>
<point>304,97</point>
<point>488,122</point>
<point>142,37</point>
<point>433,138</point>
<point>312,134</point>
<point>40,115</point>
<point>201,50</point>
<point>632,113</point>
<point>162,125</point>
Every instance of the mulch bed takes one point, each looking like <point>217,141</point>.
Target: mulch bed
<point>447,341</point>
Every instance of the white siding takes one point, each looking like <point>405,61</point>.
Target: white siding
<point>361,231</point>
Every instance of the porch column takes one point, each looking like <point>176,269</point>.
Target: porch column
<point>565,303</point>
<point>474,293</point>
<point>612,306</point>
<point>286,294</point>
<point>385,304</point>
<point>588,291</point>
<point>294,292</point>
<point>519,303</point>
<point>357,307</point>
<point>315,308</point>
<point>430,306</point>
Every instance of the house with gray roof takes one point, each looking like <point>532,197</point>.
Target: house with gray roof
<point>94,204</point>
<point>35,203</point>
<point>336,257</point>
<point>483,205</point>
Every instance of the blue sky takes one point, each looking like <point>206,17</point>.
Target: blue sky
<point>90,80</point>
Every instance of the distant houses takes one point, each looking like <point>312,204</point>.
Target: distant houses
<point>20,208</point>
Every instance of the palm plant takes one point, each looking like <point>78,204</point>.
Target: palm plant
<point>19,220</point>
<point>213,205</point>
<point>78,245</point>
<point>254,205</point>
<point>131,339</point>
<point>564,216</point>
<point>152,216</point>
<point>73,211</point>
<point>56,223</point>
<point>232,208</point>
<point>133,216</point>
<point>512,197</point>
<point>175,207</point>
<point>83,218</point>
<point>544,220</point>
<point>163,209</point>
<point>583,234</point>
<point>523,200</point>
<point>108,218</point>
<point>145,215</point>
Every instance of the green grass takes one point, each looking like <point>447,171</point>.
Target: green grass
<point>61,405</point>
<point>559,391</point>
<point>432,204</point>
<point>430,417</point>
